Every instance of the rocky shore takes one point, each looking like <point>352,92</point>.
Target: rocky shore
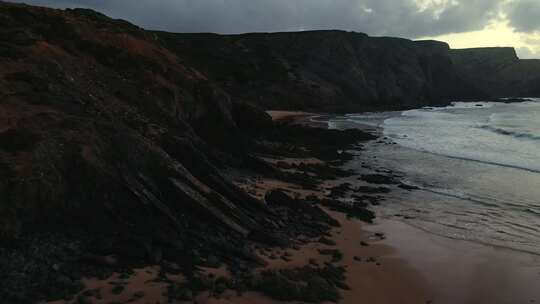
<point>299,179</point>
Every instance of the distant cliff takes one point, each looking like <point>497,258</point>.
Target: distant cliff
<point>325,70</point>
<point>498,71</point>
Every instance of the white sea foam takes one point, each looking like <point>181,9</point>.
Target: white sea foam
<point>477,166</point>
<point>497,134</point>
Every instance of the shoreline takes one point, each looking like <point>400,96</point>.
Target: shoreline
<point>370,266</point>
<point>386,262</point>
<point>434,259</point>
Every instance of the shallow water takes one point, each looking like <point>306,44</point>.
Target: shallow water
<point>477,166</point>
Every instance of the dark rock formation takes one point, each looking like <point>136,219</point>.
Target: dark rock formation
<point>498,72</point>
<point>325,70</point>
<point>102,130</point>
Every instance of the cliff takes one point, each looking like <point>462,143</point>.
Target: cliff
<point>104,130</point>
<point>325,70</point>
<point>498,71</point>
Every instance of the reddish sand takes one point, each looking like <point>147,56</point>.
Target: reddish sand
<point>388,279</point>
<point>466,272</point>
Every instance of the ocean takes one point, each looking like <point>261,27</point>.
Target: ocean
<point>476,166</point>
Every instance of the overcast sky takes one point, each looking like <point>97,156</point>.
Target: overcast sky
<point>462,23</point>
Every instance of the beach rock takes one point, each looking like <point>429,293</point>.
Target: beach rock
<point>306,284</point>
<point>83,300</point>
<point>372,190</point>
<point>213,262</point>
<point>371,260</point>
<point>279,198</point>
<point>326,241</point>
<point>358,211</point>
<point>334,253</point>
<point>180,293</point>
<point>138,295</point>
<point>250,118</point>
<point>378,179</point>
<point>407,187</point>
<point>310,214</point>
<point>117,289</point>
<point>340,190</point>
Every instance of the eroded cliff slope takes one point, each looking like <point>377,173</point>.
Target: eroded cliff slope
<point>104,130</point>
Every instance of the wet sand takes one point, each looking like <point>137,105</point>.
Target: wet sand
<point>417,267</point>
<point>462,271</point>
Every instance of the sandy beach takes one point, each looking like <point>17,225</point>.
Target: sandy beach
<point>462,271</point>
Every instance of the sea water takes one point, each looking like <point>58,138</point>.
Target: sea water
<point>477,167</point>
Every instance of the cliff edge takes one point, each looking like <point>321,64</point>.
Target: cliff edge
<point>325,70</point>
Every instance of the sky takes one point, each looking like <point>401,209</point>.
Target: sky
<point>461,23</point>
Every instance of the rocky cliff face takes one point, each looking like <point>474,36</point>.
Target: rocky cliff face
<point>104,130</point>
<point>498,71</point>
<point>325,70</point>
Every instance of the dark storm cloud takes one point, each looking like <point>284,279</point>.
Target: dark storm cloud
<point>524,15</point>
<point>377,17</point>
